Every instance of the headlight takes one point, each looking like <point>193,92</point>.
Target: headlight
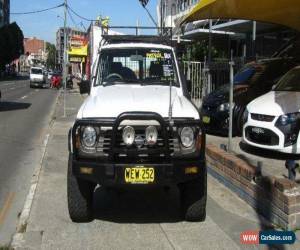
<point>187,137</point>
<point>224,107</point>
<point>288,119</point>
<point>151,135</point>
<point>245,116</point>
<point>89,137</point>
<point>128,135</point>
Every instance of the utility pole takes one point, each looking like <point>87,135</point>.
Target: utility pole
<point>65,56</point>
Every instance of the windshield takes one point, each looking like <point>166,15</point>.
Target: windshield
<point>290,81</point>
<point>37,71</point>
<point>244,76</point>
<point>136,66</point>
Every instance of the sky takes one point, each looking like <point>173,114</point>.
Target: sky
<point>44,25</point>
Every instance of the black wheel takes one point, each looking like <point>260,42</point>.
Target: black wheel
<point>193,198</point>
<point>80,197</point>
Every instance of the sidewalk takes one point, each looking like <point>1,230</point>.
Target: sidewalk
<point>273,163</point>
<point>126,220</point>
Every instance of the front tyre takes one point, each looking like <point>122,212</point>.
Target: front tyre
<point>193,196</point>
<point>80,197</point>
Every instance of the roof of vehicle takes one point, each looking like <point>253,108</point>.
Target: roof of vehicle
<point>135,45</point>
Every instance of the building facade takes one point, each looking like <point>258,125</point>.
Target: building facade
<point>35,49</point>
<point>4,12</point>
<point>168,11</point>
<point>71,34</point>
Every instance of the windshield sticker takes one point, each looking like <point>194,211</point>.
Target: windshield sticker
<point>167,55</point>
<point>168,70</point>
<point>154,55</point>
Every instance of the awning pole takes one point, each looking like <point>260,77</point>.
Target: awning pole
<point>254,39</point>
<point>231,63</point>
<point>210,41</point>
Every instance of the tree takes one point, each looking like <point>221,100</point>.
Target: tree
<point>11,44</point>
<point>51,59</point>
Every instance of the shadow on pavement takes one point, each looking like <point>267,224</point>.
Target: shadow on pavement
<point>11,106</point>
<point>267,153</point>
<point>137,206</point>
<point>14,78</point>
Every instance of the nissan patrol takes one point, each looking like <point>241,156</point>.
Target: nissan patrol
<point>136,128</point>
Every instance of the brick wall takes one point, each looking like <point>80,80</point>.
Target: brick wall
<point>33,45</point>
<point>277,199</point>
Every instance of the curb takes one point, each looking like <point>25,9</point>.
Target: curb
<point>18,237</point>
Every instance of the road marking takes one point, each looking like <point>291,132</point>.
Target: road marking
<point>25,96</point>
<point>12,88</point>
<point>36,90</point>
<point>6,206</point>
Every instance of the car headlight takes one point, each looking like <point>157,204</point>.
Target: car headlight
<point>187,137</point>
<point>128,135</point>
<point>245,116</point>
<point>286,119</point>
<point>89,137</point>
<point>151,135</point>
<point>224,106</point>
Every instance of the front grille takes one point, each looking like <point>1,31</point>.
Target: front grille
<point>262,118</point>
<point>110,146</point>
<point>262,136</point>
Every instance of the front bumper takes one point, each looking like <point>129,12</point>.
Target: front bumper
<point>108,174</point>
<point>218,122</point>
<point>38,83</point>
<point>272,138</point>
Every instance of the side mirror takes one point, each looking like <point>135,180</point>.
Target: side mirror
<point>85,87</point>
<point>189,85</point>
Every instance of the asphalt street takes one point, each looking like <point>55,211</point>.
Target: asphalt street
<point>24,120</point>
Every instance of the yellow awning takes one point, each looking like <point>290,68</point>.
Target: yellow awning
<point>283,12</point>
<point>78,51</point>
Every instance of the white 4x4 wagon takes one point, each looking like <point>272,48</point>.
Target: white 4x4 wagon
<point>137,128</point>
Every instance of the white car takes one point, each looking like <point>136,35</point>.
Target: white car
<point>272,121</point>
<point>137,129</point>
<point>37,77</point>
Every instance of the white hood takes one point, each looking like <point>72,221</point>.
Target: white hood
<point>276,103</point>
<point>111,101</point>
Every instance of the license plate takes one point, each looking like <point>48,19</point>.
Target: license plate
<point>206,119</point>
<point>258,131</point>
<point>139,175</point>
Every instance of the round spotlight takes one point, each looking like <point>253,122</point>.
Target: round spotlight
<point>128,135</point>
<point>151,135</point>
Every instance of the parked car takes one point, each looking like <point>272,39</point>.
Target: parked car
<point>272,121</point>
<point>137,129</point>
<point>37,77</point>
<point>254,79</point>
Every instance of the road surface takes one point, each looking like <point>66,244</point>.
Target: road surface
<point>24,118</point>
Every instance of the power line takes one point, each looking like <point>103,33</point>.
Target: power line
<point>72,19</point>
<point>37,11</point>
<point>76,14</point>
